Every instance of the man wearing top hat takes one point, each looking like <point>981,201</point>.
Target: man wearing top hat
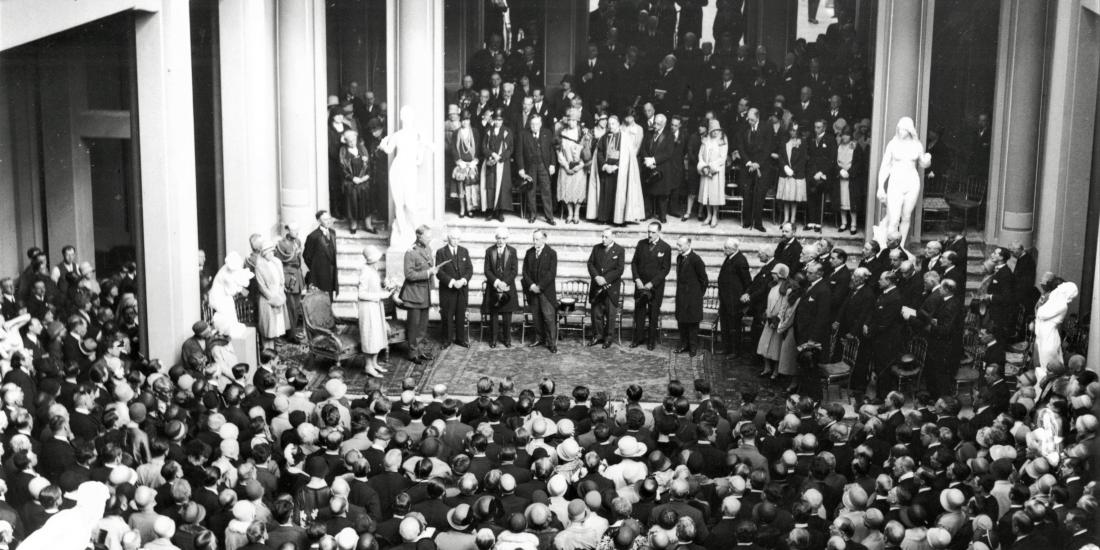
<point>605,265</point>
<point>455,272</point>
<point>501,270</point>
<point>496,171</point>
<point>649,267</point>
<point>416,293</point>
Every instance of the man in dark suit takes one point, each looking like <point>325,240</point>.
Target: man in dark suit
<point>853,314</point>
<point>949,270</point>
<point>1002,296</point>
<point>454,288</point>
<point>592,75</point>
<point>885,330</point>
<point>691,284</point>
<point>944,314</point>
<point>649,267</point>
<point>10,306</point>
<point>320,255</point>
<point>540,270</point>
<point>930,260</point>
<point>416,293</point>
<point>789,250</point>
<point>536,162</point>
<point>811,322</point>
<point>500,300</point>
<point>606,264</point>
<point>193,353</point>
<point>658,149</point>
<point>805,110</point>
<point>755,144</point>
<point>957,244</point>
<point>820,167</point>
<point>839,279</point>
<point>1024,273</point>
<point>734,280</point>
<point>496,149</point>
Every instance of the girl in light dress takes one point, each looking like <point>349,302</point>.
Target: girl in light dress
<point>792,178</point>
<point>712,171</point>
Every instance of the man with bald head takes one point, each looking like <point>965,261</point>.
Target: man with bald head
<point>753,149</point>
<point>691,284</point>
<point>733,282</point>
<point>811,321</point>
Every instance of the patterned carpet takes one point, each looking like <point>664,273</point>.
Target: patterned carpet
<point>610,370</point>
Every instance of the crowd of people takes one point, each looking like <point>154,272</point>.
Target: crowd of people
<point>104,449</point>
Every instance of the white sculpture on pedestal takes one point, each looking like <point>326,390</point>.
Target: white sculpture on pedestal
<point>902,162</point>
<point>411,194</point>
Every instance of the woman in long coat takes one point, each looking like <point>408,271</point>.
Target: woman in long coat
<point>788,351</point>
<point>770,340</point>
<point>355,163</point>
<point>272,299</point>
<point>373,329</point>
<point>712,171</point>
<point>289,252</point>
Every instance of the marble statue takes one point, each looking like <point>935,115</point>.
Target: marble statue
<point>409,193</point>
<point>899,179</point>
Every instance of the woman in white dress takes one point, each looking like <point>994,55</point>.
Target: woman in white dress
<point>1048,318</point>
<point>373,329</point>
<point>712,171</point>
<point>272,299</point>
<point>902,161</point>
<point>572,180</point>
<point>791,189</point>
<point>845,151</point>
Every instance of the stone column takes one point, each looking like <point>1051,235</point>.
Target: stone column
<point>168,242</point>
<point>301,115</point>
<point>565,37</point>
<point>1068,140</point>
<point>250,137</point>
<point>772,24</point>
<point>903,55</point>
<point>414,54</point>
<point>1016,122</point>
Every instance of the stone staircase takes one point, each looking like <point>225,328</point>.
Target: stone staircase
<point>573,244</point>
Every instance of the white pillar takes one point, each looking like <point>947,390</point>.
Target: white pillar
<point>303,143</point>
<point>169,237</point>
<point>250,153</point>
<point>1068,140</point>
<point>1016,122</point>
<point>1094,314</point>
<point>414,56</point>
<point>903,56</point>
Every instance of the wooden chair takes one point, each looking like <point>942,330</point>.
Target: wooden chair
<point>326,338</point>
<point>918,349</point>
<point>576,319</point>
<point>619,313</point>
<point>971,196</point>
<point>528,318</point>
<point>832,373</point>
<point>734,203</point>
<point>483,311</point>
<point>709,327</point>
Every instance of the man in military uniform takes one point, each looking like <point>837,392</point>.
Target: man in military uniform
<point>416,293</point>
<point>605,266</point>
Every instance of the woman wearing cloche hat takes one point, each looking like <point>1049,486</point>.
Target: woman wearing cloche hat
<point>373,329</point>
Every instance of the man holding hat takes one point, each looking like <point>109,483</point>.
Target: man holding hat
<point>605,265</point>
<point>650,265</point>
<point>501,269</point>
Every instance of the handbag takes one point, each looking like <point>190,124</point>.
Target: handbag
<point>653,177</point>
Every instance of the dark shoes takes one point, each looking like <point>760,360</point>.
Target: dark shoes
<point>595,342</point>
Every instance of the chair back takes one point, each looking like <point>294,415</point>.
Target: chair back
<point>710,298</point>
<point>976,188</point>
<point>317,311</point>
<point>918,346</point>
<point>849,349</point>
<point>576,289</point>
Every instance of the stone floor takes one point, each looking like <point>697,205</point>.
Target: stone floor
<point>610,370</point>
